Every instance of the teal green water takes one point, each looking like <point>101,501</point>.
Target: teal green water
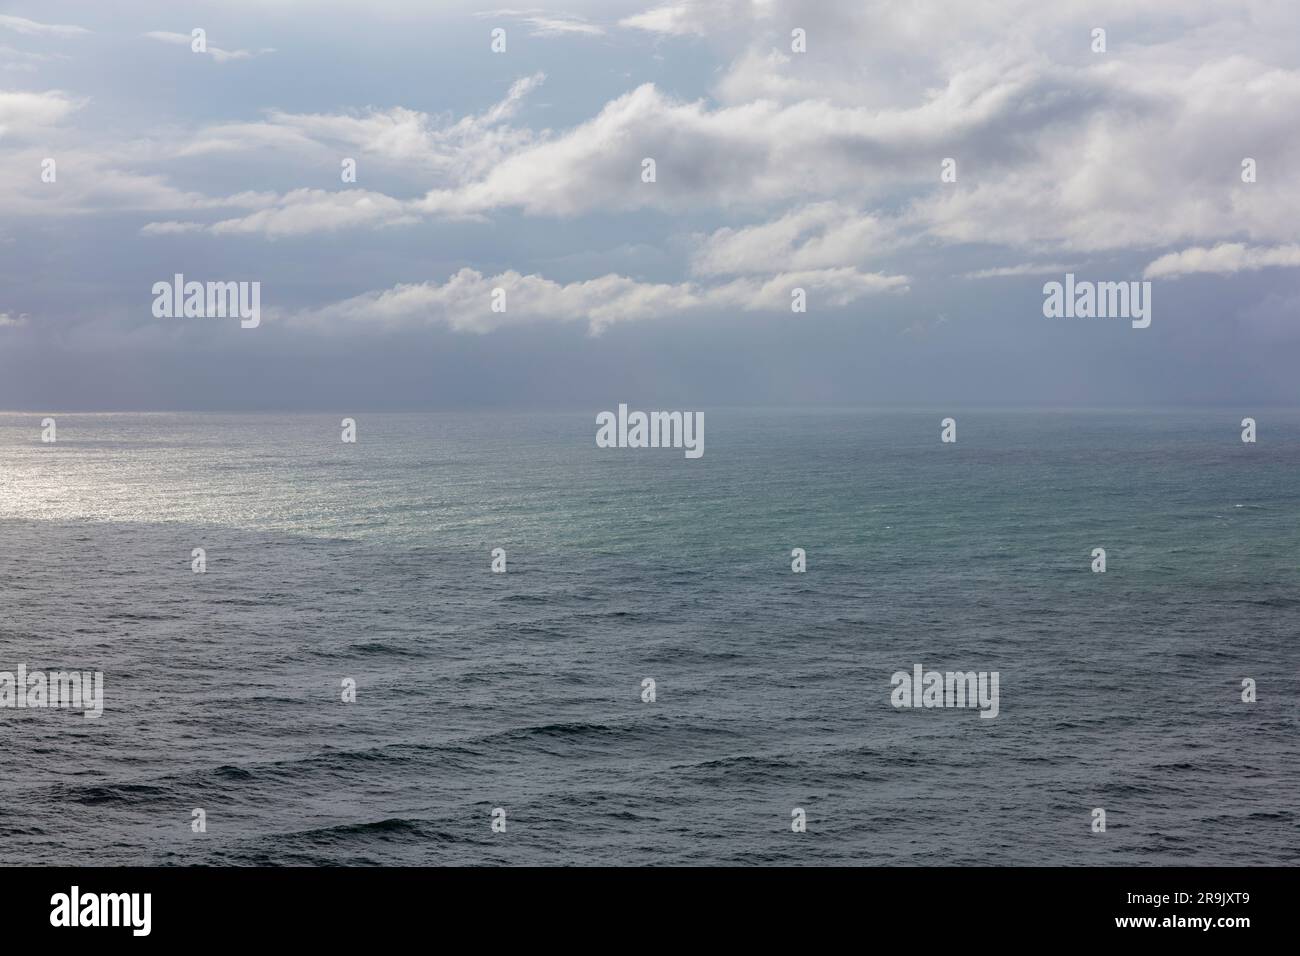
<point>328,560</point>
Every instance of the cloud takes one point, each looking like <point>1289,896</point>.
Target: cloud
<point>32,28</point>
<point>1023,269</point>
<point>1153,163</point>
<point>1227,258</point>
<point>815,236</point>
<point>91,182</point>
<point>775,169</point>
<point>305,211</point>
<point>9,321</point>
<point>1100,154</point>
<point>543,24</point>
<point>705,158</point>
<point>398,138</point>
<point>689,17</point>
<point>170,228</point>
<point>25,113</point>
<point>218,55</point>
<point>394,139</point>
<point>464,302</point>
<point>91,179</point>
<point>824,164</point>
<point>1072,159</point>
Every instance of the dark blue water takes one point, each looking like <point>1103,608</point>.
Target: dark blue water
<point>522,690</point>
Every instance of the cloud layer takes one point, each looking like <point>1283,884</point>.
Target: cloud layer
<point>916,169</point>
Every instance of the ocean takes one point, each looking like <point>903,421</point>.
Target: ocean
<point>329,562</point>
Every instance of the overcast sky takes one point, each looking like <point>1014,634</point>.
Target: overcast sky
<point>522,171</point>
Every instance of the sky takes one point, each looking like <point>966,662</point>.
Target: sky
<point>775,168</point>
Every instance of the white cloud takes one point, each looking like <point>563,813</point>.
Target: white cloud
<point>542,23</point>
<point>463,302</point>
<point>1023,269</point>
<point>1226,258</point>
<point>32,28</point>
<point>748,155</point>
<point>822,164</point>
<point>91,181</point>
<point>1111,155</point>
<point>170,228</point>
<point>393,139</point>
<point>1155,162</point>
<point>25,113</point>
<point>816,236</point>
<point>692,17</point>
<point>218,55</point>
<point>305,211</point>
<point>397,137</point>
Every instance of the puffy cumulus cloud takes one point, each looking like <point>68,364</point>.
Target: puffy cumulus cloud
<point>753,155</point>
<point>1105,156</point>
<point>795,168</point>
<point>757,153</point>
<point>1146,169</point>
<point>1056,146</point>
<point>1089,154</point>
<point>22,114</point>
<point>464,301</point>
<point>1224,259</point>
<point>887,53</point>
